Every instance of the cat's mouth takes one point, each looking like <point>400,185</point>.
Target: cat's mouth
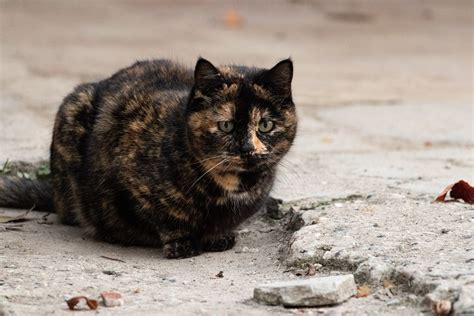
<point>237,163</point>
<point>248,162</point>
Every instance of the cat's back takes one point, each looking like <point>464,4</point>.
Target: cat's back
<point>142,89</point>
<point>150,76</point>
<point>141,98</point>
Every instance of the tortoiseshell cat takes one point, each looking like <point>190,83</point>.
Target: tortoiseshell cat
<point>155,155</point>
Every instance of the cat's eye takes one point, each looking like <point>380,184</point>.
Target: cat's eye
<point>226,126</point>
<point>265,126</point>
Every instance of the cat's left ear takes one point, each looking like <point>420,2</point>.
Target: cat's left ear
<point>278,79</point>
<point>206,77</point>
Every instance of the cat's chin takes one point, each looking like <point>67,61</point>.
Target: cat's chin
<point>254,163</point>
<point>235,169</point>
<point>246,164</point>
<point>251,167</point>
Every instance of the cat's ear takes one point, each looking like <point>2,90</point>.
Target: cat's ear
<point>278,79</point>
<point>206,77</point>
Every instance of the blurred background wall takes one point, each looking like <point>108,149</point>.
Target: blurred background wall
<point>369,52</point>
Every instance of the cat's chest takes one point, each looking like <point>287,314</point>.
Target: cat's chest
<point>238,187</point>
<point>227,211</point>
<point>237,200</point>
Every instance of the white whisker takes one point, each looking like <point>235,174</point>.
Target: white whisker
<point>197,180</point>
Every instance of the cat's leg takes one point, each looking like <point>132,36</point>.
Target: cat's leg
<point>71,129</point>
<point>218,243</point>
<point>179,244</point>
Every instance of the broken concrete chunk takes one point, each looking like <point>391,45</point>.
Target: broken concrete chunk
<point>275,209</point>
<point>320,291</point>
<point>373,271</point>
<point>465,303</point>
<point>112,299</point>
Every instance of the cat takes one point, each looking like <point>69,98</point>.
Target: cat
<point>161,155</point>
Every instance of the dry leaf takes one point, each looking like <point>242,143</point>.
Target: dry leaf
<point>327,140</point>
<point>72,302</point>
<point>387,284</point>
<point>363,291</point>
<point>459,190</point>
<point>233,19</point>
<point>442,308</point>
<point>92,303</point>
<point>442,195</point>
<point>462,190</point>
<point>311,269</point>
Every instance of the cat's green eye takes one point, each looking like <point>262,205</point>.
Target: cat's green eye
<point>265,126</point>
<point>226,126</point>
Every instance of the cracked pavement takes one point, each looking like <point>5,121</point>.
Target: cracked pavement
<point>385,101</point>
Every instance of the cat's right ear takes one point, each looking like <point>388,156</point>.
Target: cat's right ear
<point>206,77</point>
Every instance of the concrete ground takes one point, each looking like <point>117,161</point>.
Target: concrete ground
<point>384,93</point>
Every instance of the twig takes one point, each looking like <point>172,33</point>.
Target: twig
<point>113,259</point>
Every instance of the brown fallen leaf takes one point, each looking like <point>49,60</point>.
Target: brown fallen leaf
<point>233,19</point>
<point>93,304</point>
<point>72,302</point>
<point>459,190</point>
<point>311,269</point>
<point>363,291</point>
<point>442,308</point>
<point>387,284</point>
<point>327,140</point>
<point>462,190</point>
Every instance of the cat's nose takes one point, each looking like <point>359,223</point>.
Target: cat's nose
<point>246,148</point>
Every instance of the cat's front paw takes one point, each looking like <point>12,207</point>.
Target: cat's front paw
<point>219,243</point>
<point>180,248</point>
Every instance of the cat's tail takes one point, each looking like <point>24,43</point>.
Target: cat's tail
<point>22,193</point>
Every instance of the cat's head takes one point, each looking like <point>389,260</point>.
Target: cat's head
<point>241,118</point>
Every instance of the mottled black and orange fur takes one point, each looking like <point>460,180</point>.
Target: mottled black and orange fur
<point>138,158</point>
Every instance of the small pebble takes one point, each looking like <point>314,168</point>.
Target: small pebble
<point>393,302</point>
<point>112,299</point>
<point>10,266</point>
<point>111,272</point>
<point>244,249</point>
